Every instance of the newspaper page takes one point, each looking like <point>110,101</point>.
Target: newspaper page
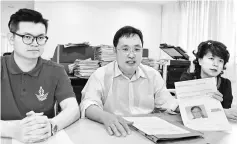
<point>199,110</point>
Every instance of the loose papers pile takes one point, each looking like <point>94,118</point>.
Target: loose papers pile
<point>105,54</point>
<point>84,68</point>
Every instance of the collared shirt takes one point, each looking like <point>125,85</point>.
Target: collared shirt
<point>35,90</point>
<point>113,92</point>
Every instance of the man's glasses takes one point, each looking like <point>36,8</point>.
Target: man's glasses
<point>129,50</point>
<point>29,39</point>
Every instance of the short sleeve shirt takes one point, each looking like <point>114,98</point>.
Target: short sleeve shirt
<point>36,90</point>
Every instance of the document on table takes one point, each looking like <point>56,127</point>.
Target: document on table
<point>199,110</point>
<point>60,138</point>
<point>155,126</point>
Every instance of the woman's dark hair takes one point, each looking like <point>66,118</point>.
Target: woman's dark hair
<point>216,48</point>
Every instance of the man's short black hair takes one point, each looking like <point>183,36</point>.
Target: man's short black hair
<point>127,31</point>
<point>26,15</point>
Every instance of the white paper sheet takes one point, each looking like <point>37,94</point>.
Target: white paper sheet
<point>60,138</point>
<point>209,116</point>
<point>155,126</point>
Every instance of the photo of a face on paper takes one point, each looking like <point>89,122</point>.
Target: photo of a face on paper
<point>196,112</point>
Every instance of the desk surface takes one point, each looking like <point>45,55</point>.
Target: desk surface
<point>86,131</point>
<point>83,128</point>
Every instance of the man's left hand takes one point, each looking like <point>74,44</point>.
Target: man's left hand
<point>217,95</point>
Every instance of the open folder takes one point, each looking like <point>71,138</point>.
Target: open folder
<point>157,129</point>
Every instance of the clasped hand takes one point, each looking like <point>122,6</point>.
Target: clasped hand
<point>33,128</point>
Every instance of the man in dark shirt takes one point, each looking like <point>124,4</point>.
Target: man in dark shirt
<point>30,85</point>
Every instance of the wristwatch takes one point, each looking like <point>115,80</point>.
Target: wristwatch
<point>54,128</point>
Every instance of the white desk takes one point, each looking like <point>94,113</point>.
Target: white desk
<point>86,131</point>
<point>89,132</point>
<point>229,137</point>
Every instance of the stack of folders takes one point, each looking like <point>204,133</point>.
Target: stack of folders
<point>105,54</point>
<point>157,129</point>
<point>84,68</point>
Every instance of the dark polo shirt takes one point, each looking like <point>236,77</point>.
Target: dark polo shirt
<point>37,90</point>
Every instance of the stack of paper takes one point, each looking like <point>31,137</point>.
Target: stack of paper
<point>105,54</point>
<point>84,68</point>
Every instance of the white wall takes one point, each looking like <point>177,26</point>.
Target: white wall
<point>171,22</point>
<point>97,22</point>
<point>7,9</point>
<point>10,7</point>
